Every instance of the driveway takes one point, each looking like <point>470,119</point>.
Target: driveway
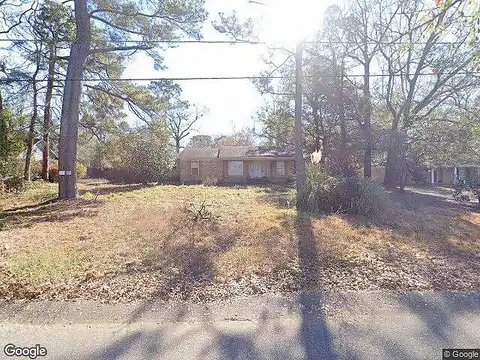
<point>354,326</point>
<point>432,195</point>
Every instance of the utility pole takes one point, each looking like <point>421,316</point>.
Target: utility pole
<point>301,177</point>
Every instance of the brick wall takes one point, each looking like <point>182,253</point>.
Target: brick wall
<point>209,171</point>
<point>217,170</point>
<point>272,171</point>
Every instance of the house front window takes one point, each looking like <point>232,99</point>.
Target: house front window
<point>235,168</point>
<point>195,168</point>
<point>280,168</point>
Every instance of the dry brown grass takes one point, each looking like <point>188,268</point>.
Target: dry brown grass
<point>118,243</point>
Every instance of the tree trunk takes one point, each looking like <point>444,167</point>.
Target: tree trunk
<point>390,180</point>
<point>177,145</point>
<point>316,123</point>
<point>31,130</point>
<point>301,177</point>
<point>47,116</point>
<point>343,127</point>
<point>67,183</point>
<point>367,124</point>
<point>391,169</point>
<point>403,176</point>
<point>4,147</point>
<point>403,165</point>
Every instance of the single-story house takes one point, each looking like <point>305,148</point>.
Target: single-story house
<point>236,164</point>
<point>438,175</point>
<point>446,175</point>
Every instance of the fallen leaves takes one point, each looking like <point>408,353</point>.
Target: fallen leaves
<point>138,248</point>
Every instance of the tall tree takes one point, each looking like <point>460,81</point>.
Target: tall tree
<point>197,141</point>
<point>71,102</point>
<point>355,33</point>
<point>425,71</point>
<point>32,57</point>
<point>143,22</point>
<point>34,117</point>
<point>276,122</point>
<point>243,137</point>
<point>53,26</point>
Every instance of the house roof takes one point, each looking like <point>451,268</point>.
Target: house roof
<point>198,153</point>
<point>245,152</point>
<point>264,151</point>
<point>235,152</point>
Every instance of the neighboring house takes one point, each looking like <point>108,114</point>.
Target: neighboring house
<point>446,175</point>
<point>236,164</point>
<point>439,175</point>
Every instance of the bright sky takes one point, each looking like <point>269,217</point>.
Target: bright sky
<point>232,103</point>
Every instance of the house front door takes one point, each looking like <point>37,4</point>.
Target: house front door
<point>256,170</point>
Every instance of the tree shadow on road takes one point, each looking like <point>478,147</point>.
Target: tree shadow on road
<point>314,333</point>
<point>438,310</point>
<point>312,340</point>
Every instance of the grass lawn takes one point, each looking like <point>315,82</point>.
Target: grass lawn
<point>122,243</point>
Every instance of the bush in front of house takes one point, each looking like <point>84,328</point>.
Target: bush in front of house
<point>370,199</point>
<point>210,181</point>
<point>461,187</point>
<point>324,192</point>
<point>330,194</point>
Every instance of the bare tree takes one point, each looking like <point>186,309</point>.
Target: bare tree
<point>123,20</point>
<point>355,34</point>
<point>424,71</point>
<point>12,13</point>
<point>180,122</point>
<point>243,137</point>
<point>34,117</point>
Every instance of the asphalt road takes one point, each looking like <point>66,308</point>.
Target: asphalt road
<point>369,325</point>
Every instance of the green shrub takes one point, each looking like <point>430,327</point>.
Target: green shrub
<point>209,181</point>
<point>81,170</point>
<point>14,184</point>
<point>329,194</point>
<point>324,192</point>
<point>370,199</point>
<point>460,187</point>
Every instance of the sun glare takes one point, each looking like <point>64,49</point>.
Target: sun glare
<point>291,21</point>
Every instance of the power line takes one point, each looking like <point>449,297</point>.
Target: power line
<point>214,78</point>
<point>153,79</point>
<point>250,42</point>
